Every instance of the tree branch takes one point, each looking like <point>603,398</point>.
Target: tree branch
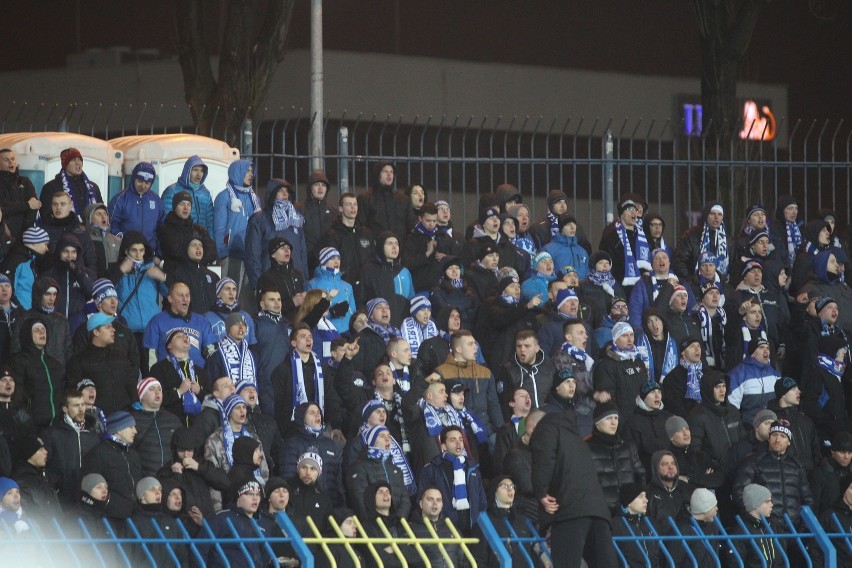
<point>193,54</point>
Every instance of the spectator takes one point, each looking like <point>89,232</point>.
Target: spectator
<point>67,442</point>
<point>377,466</point>
<point>418,327</point>
<point>429,514</point>
<point>616,460</point>
<point>832,473</point>
<point>824,397</point>
<point>620,371</point>
<point>63,223</point>
<point>755,442</point>
<point>805,442</point>
<point>482,274</point>
<point>625,241</point>
<point>656,345</point>
<point>715,425</point>
<point>528,369</point>
<point>618,311</point>
<point>227,294</point>
<point>565,483</point>
<point>753,380</point>
<point>232,357</point>
<point>632,520</point>
<point>763,550</point>
<point>454,290</point>
<point>319,213</point>
<point>72,181</point>
<point>38,493</point>
<point>574,357</point>
<point>380,518</point>
<point>682,385</point>
<point>210,417</point>
<point>45,297</point>
<point>712,323</point>
<point>137,208</point>
<point>38,376</point>
<point>751,325</point>
<point>424,249</point>
<point>15,421</point>
<point>181,382</point>
<point>696,467</point>
<point>193,271</point>
<point>284,276</point>
<point>157,427</point>
<point>387,278</point>
<point>399,357</point>
<point>679,322</point>
<point>25,262</point>
<point>178,315</point>
<point>151,520</point>
<point>373,338</point>
<point>509,434</point>
<point>72,276</point>
<point>273,330</point>
<point>653,289</point>
<point>191,182</point>
<point>264,426</point>
<point>329,279</point>
<point>306,496</point>
<point>118,463</point>
<point>536,285</point>
<point>668,494</point>
<point>709,236</point>
<point>599,287</point>
<point>111,372</point>
<point>568,247</point>
<point>9,313</point>
<point>354,241</point>
<point>701,513</point>
<point>96,221</point>
<point>648,427</point>
<point>17,195</point>
<point>501,317</point>
<point>232,208</point>
<point>466,492</point>
<point>241,520</point>
<point>776,314</point>
<point>383,208</point>
<point>11,511</point>
<point>180,225</point>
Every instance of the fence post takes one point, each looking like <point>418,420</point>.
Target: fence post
<point>247,139</point>
<point>608,178</point>
<point>343,161</point>
<point>813,524</point>
<point>494,541</point>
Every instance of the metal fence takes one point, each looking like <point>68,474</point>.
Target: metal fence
<point>459,158</point>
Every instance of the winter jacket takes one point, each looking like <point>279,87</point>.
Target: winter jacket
<point>309,501</point>
<point>140,306</point>
<point>153,442</point>
<point>331,481</point>
<point>327,280</point>
<point>688,247</point>
<point>319,216</point>
<point>635,552</point>
<point>71,226</point>
<point>66,446</point>
<point>79,195</point>
<point>536,378</point>
<point>497,325</point>
<point>174,234</point>
<point>230,218</point>
<point>675,385</point>
<point>288,280</point>
<point>598,299</point>
<point>464,299</point>
<point>826,481</point>
<point>129,211</point>
<point>15,192</point>
<point>482,399</point>
<point>202,201</point>
<point>260,230</point>
<point>776,313</point>
<point>665,502</point>
<point>391,281</point>
<point>75,280</point>
<point>106,244</point>
<point>647,429</point>
<point>111,373</point>
<point>518,552</point>
<point>39,379</point>
<point>642,298</point>
<point>282,387</point>
<point>621,379</point>
<point>783,475</point>
<point>535,285</point>
<point>121,468</point>
<point>433,552</point>
<point>356,247</point>
<point>271,335</point>
<point>568,251</point>
<point>200,280</point>
<point>715,426</point>
<point>616,463</point>
<point>38,494</point>
<point>806,444</point>
<point>481,281</point>
<point>698,467</point>
<point>367,471</point>
<point>439,473</point>
<point>751,388</point>
<point>23,267</point>
<point>194,325</point>
<point>214,452</point>
<point>383,208</point>
<point>235,553</point>
<point>154,521</point>
<point>562,467</point>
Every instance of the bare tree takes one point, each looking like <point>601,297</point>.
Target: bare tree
<point>251,46</point>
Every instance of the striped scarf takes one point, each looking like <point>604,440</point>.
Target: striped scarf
<point>705,322</point>
<point>284,215</point>
<point>460,502</point>
<point>300,395</point>
<point>693,379</point>
<point>416,333</point>
<point>186,370</point>
<point>721,252</point>
<point>91,196</point>
<point>794,241</point>
<point>398,458</point>
<point>634,263</point>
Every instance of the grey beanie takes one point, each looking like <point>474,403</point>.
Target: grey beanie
<point>145,484</point>
<point>754,495</point>
<point>702,501</point>
<point>675,424</point>
<point>89,481</point>
<point>762,416</point>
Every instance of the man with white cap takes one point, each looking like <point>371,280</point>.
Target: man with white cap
<point>156,426</point>
<point>761,549</point>
<point>306,497</point>
<point>779,471</point>
<point>708,236</point>
<point>111,372</point>
<point>620,371</point>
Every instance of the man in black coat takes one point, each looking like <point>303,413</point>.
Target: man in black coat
<point>833,473</point>
<point>805,442</point>
<point>354,241</point>
<point>318,212</point>
<point>155,427</point>
<point>64,222</point>
<point>264,426</point>
<point>383,208</point>
<point>708,236</point>
<point>38,493</point>
<point>422,248</point>
<point>177,228</point>
<point>566,485</point>
<point>668,494</point>
<point>80,188</point>
<point>17,195</point>
<point>284,277</point>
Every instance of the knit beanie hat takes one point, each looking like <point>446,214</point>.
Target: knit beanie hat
<point>221,284</point>
<point>565,295</point>
<point>762,416</point>
<point>648,387</point>
<point>822,302</point>
<point>35,235</point>
<point>675,424</point>
<point>484,251</point>
<point>707,288</point>
<point>678,289</point>
<point>687,341</point>
<point>145,484</point>
<point>702,501</point>
<point>620,329</point>
<point>275,483</point>
<point>145,384</point>
<point>628,492</point>
<point>88,483</point>
<point>233,319</point>
<point>605,410</point>
<point>372,434</point>
<point>369,408</point>
<point>505,282</point>
<point>599,256</point>
<point>231,403</point>
<point>540,257</point>
<point>275,244</point>
<point>311,457</point>
<point>488,212</point>
<point>420,302</point>
<point>707,258</point>
<point>554,196</point>
<point>754,495</point>
<point>564,219</point>
<point>784,385</point>
<point>755,343</point>
<point>373,304</point>
<point>842,442</point>
<point>102,289</point>
<point>781,427</point>
<point>326,254</point>
<point>118,421</point>
<point>68,154</point>
<point>180,197</point>
<point>751,265</point>
<point>27,446</point>
<point>6,485</point>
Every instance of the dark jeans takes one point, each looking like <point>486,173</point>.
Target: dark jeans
<point>566,536</point>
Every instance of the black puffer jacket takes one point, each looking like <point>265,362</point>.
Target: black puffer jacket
<point>66,447</point>
<point>648,430</point>
<point>662,501</point>
<point>621,379</point>
<point>111,373</point>
<point>783,475</point>
<point>288,280</point>
<point>38,495</point>
<point>715,427</point>
<point>154,432</point>
<point>39,378</point>
<point>805,445</point>
<point>120,466</point>
<point>617,463</point>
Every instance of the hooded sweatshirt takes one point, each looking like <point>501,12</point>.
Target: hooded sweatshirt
<point>202,201</point>
<point>231,211</point>
<point>129,211</point>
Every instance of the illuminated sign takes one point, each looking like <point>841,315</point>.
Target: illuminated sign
<point>758,122</point>
<point>692,115</point>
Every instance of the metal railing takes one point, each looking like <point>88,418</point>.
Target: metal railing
<point>594,159</point>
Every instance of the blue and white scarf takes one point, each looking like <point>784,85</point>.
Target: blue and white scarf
<point>460,502</point>
<point>186,370</point>
<point>579,355</point>
<point>232,194</point>
<point>705,322</point>
<point>239,360</point>
<point>402,377</point>
<point>748,334</point>
<point>604,279</point>
<point>399,459</point>
<point>721,252</point>
<point>719,286</point>
<point>794,241</point>
<point>634,264</point>
<point>525,242</point>
<point>646,353</point>
<point>833,367</point>
<point>300,395</point>
<point>91,194</point>
<point>554,223</point>
<point>385,332</point>
<point>509,299</point>
<point>416,333</point>
<point>426,232</point>
<point>284,215</point>
<point>471,421</point>
<point>456,283</point>
<point>693,379</point>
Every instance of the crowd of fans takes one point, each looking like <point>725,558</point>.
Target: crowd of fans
<point>368,358</point>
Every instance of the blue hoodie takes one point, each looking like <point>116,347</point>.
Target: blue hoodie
<point>229,225</point>
<point>566,251</point>
<point>129,211</point>
<point>327,280</point>
<point>202,201</point>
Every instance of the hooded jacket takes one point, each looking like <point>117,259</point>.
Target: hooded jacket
<point>231,212</point>
<point>715,426</point>
<point>175,233</point>
<point>70,225</point>
<point>120,466</point>
<point>664,502</point>
<point>824,283</point>
<point>688,248</point>
<point>536,378</point>
<point>389,280</point>
<point>39,378</point>
<point>319,216</point>
<point>106,244</point>
<point>154,432</point>
<point>58,330</point>
<point>140,306</point>
<point>327,280</point>
<point>74,278</point>
<point>465,299</point>
<point>15,192</point>
<point>785,478</point>
<point>261,229</point>
<point>129,211</point>
<point>112,374</point>
<point>620,378</point>
<point>647,429</point>
<point>202,201</point>
<point>66,446</point>
<point>568,251</point>
<point>383,208</point>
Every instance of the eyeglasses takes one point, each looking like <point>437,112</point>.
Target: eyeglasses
<point>507,486</point>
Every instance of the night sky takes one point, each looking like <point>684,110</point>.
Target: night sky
<point>655,37</point>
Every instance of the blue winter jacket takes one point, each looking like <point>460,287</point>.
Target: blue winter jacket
<point>268,354</point>
<point>566,251</point>
<point>752,387</point>
<point>202,201</point>
<point>327,280</point>
<point>129,211</point>
<point>217,324</point>
<point>230,226</point>
<point>143,305</point>
<point>535,285</point>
